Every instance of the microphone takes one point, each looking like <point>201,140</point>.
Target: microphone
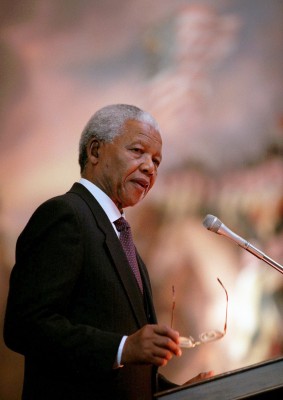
<point>214,224</point>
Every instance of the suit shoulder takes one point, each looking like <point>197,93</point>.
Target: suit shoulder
<point>66,202</point>
<point>52,211</point>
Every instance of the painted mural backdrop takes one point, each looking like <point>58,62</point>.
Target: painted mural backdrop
<point>211,73</point>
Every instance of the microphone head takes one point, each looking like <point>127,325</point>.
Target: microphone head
<point>212,223</point>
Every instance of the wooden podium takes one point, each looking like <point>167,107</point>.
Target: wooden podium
<point>258,381</point>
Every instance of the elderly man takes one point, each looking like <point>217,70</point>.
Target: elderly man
<point>80,306</point>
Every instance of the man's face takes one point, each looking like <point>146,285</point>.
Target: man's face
<point>127,167</point>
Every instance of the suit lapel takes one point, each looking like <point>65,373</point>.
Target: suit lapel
<point>147,291</point>
<point>116,252</point>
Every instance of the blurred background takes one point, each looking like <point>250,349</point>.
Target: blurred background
<point>211,73</point>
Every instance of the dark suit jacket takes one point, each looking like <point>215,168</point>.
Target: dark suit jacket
<point>71,299</point>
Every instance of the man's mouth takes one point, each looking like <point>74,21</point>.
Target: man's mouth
<point>143,183</point>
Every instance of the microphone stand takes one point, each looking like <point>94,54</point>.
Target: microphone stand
<point>259,254</point>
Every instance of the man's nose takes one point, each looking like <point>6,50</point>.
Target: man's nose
<point>147,165</point>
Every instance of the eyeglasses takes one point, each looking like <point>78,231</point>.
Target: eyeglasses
<point>206,337</point>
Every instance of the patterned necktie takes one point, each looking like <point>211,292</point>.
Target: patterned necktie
<point>126,240</point>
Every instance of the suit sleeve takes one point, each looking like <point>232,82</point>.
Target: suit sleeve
<point>49,258</point>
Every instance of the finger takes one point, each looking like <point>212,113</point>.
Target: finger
<point>162,360</point>
<point>166,344</point>
<point>200,377</point>
<point>166,331</point>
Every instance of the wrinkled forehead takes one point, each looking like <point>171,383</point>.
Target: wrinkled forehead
<point>137,131</point>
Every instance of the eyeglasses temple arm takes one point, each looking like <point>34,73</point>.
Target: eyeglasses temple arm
<point>226,315</point>
<point>173,306</point>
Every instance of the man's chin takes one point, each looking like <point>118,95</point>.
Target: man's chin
<point>134,200</point>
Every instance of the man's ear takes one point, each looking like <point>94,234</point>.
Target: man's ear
<point>93,150</point>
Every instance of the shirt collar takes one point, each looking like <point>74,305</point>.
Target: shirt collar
<point>109,207</point>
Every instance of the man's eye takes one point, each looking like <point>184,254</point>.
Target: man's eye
<point>137,150</point>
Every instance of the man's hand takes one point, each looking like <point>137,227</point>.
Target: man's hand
<point>200,377</point>
<point>152,344</point>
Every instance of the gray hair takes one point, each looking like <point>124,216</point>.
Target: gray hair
<point>107,123</point>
